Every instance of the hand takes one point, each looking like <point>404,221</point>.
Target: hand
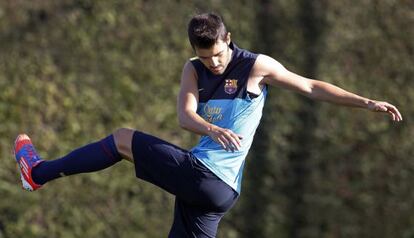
<point>377,106</point>
<point>229,140</point>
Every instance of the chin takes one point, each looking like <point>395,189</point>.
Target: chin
<point>217,72</point>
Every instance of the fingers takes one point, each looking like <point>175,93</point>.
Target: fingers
<point>222,143</point>
<point>397,113</point>
<point>388,108</point>
<point>229,140</point>
<point>235,140</point>
<point>395,116</point>
<point>394,113</point>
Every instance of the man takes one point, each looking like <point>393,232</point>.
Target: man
<point>222,96</point>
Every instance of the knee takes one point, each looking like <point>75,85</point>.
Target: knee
<point>122,132</point>
<point>123,141</point>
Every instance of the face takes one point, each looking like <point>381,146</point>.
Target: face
<point>217,57</point>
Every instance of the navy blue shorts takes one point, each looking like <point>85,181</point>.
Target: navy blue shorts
<point>201,197</point>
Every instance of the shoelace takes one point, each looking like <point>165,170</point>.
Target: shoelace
<point>31,153</point>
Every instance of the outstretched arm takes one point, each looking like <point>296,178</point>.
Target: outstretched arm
<point>191,121</point>
<point>273,73</point>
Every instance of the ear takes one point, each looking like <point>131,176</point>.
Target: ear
<point>228,38</point>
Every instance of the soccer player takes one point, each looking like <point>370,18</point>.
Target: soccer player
<point>222,94</point>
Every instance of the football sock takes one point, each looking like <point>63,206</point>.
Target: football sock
<point>89,158</point>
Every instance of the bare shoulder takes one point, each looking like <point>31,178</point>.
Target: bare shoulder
<point>266,68</point>
<point>265,63</point>
<point>189,72</point>
<point>188,66</point>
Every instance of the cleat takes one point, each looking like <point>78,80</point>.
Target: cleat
<point>27,158</point>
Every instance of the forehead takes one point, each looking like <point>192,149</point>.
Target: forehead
<point>218,47</point>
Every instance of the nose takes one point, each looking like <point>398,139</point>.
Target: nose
<point>214,62</point>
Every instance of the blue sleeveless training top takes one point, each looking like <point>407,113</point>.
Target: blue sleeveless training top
<point>225,102</point>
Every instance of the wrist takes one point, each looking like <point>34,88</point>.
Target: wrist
<point>210,129</point>
<point>369,104</point>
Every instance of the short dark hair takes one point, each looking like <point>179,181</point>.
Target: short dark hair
<point>205,29</point>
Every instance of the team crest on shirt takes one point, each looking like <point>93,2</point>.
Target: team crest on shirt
<point>230,86</point>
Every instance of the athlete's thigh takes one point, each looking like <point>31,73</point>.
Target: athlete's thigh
<point>193,221</point>
<point>161,163</point>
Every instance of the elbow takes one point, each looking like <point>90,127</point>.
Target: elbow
<point>182,125</point>
<point>310,90</point>
<point>182,122</point>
